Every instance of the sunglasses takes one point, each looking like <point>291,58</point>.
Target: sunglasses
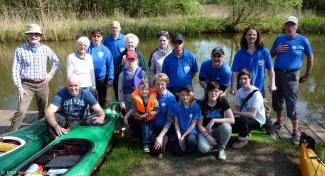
<point>177,42</point>
<point>98,36</point>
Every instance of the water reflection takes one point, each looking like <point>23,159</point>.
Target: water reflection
<point>312,99</point>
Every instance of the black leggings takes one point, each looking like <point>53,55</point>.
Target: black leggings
<point>244,125</point>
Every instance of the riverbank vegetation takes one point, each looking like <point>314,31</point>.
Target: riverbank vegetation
<point>67,19</point>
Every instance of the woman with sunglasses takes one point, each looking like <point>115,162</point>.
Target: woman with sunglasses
<point>103,65</point>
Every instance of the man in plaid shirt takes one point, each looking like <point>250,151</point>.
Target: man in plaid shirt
<point>29,74</point>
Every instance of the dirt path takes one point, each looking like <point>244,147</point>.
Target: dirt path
<point>253,159</point>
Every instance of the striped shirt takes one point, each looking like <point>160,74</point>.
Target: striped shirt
<point>31,63</point>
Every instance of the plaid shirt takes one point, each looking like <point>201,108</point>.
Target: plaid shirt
<point>31,63</point>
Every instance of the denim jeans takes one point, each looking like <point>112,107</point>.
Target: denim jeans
<point>147,132</point>
<point>221,133</point>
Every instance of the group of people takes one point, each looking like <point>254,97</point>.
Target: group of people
<point>162,108</point>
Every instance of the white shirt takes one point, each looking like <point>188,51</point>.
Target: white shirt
<point>83,68</point>
<point>256,101</point>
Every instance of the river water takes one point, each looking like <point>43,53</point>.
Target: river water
<point>311,97</point>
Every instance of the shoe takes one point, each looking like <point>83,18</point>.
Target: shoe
<point>161,156</point>
<point>146,149</point>
<point>239,144</point>
<point>295,139</point>
<point>221,155</point>
<point>277,125</point>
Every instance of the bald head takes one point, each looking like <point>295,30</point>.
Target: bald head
<point>73,85</point>
<point>115,29</point>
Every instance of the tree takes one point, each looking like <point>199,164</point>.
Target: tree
<point>244,11</point>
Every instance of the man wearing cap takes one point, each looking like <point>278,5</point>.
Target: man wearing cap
<point>289,50</point>
<point>30,75</point>
<point>180,65</point>
<point>215,69</point>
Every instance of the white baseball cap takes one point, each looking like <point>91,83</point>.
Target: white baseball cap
<point>291,19</point>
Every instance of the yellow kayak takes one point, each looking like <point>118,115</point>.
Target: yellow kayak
<point>310,163</point>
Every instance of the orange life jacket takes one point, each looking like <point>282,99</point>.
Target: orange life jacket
<point>152,99</point>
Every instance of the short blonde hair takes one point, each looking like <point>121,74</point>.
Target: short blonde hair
<point>143,82</point>
<point>161,77</point>
<point>131,36</point>
<point>83,40</point>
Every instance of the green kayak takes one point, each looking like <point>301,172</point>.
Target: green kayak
<point>77,153</point>
<point>17,146</point>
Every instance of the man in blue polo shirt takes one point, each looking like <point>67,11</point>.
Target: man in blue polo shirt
<point>115,42</point>
<point>289,50</point>
<point>180,65</point>
<point>215,69</point>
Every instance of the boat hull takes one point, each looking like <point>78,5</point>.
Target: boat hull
<point>34,137</point>
<point>91,142</point>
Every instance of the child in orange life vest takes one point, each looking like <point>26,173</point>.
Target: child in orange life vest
<point>144,109</point>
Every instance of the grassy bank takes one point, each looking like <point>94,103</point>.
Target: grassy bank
<point>128,154</point>
<point>68,29</point>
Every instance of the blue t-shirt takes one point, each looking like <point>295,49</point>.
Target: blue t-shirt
<point>74,106</point>
<point>186,115</point>
<point>165,103</point>
<point>292,60</point>
<point>221,75</point>
<point>256,63</point>
<point>180,70</point>
<point>103,62</point>
<point>116,46</point>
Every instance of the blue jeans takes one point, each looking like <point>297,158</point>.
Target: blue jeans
<point>190,145</point>
<point>221,132</point>
<point>147,132</point>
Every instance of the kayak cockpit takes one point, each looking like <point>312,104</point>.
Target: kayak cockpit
<point>59,158</point>
<point>9,144</point>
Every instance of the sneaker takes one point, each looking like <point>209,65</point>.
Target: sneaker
<point>295,139</point>
<point>239,144</point>
<point>277,125</point>
<point>221,155</point>
<point>161,156</point>
<point>146,149</point>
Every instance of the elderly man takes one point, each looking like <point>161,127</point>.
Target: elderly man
<point>69,106</point>
<point>215,69</point>
<point>115,41</point>
<point>30,75</point>
<point>180,65</point>
<point>289,50</point>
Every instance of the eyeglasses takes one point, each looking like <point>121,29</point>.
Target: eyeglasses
<point>98,36</point>
<point>214,91</point>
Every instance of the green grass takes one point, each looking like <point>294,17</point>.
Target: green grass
<point>71,28</point>
<point>128,153</point>
<point>125,155</point>
<point>320,14</point>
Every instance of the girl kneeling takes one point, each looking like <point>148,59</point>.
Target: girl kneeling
<point>250,112</point>
<point>186,113</point>
<point>214,126</point>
